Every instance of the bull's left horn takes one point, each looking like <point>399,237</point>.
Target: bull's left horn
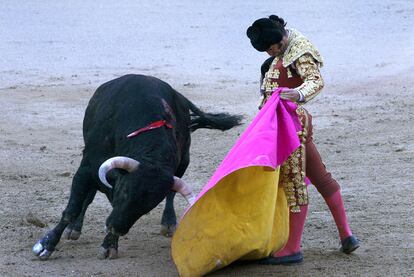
<point>184,189</point>
<point>126,163</point>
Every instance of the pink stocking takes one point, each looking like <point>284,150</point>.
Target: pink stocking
<point>296,225</point>
<point>336,206</point>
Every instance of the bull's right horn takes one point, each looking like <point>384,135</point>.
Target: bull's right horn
<point>184,189</point>
<point>125,163</point>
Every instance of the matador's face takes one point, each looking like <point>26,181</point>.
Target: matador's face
<point>278,49</point>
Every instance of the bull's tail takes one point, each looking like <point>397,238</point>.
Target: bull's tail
<point>220,121</point>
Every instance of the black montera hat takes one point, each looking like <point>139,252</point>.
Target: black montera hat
<point>263,33</point>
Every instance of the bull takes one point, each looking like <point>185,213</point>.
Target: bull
<point>136,132</point>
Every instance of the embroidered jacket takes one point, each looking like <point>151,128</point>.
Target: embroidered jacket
<point>301,61</point>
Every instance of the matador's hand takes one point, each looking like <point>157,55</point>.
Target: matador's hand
<point>290,95</point>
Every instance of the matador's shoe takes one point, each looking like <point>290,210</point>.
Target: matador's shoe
<point>285,260</point>
<point>349,245</point>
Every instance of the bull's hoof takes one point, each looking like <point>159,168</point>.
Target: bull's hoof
<point>168,230</point>
<point>108,253</point>
<point>40,250</point>
<point>71,234</point>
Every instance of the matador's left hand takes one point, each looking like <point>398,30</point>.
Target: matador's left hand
<point>290,95</point>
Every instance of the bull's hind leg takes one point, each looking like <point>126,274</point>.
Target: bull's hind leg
<point>169,218</point>
<point>80,190</point>
<point>74,229</point>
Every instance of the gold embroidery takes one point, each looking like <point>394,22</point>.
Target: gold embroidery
<point>308,71</point>
<point>266,96</point>
<point>289,73</point>
<point>274,74</point>
<point>269,82</point>
<point>292,171</point>
<point>298,46</point>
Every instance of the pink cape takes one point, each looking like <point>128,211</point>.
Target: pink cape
<point>268,141</point>
<point>242,212</point>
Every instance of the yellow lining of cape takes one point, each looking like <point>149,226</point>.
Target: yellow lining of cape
<point>244,216</point>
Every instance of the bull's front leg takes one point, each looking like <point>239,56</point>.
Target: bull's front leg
<point>117,224</point>
<point>74,229</point>
<point>46,245</point>
<point>109,247</point>
<point>79,191</point>
<point>169,219</point>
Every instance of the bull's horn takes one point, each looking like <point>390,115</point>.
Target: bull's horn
<point>126,163</point>
<point>184,189</point>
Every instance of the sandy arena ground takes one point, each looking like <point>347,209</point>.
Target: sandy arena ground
<point>54,55</point>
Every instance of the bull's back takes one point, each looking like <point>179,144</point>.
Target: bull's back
<point>124,96</point>
<point>127,90</point>
<point>125,104</point>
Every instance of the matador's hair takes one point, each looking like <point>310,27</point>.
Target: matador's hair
<point>266,31</point>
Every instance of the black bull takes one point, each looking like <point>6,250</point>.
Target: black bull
<point>118,108</point>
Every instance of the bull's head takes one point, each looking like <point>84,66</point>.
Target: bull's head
<point>132,165</point>
<point>138,191</point>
